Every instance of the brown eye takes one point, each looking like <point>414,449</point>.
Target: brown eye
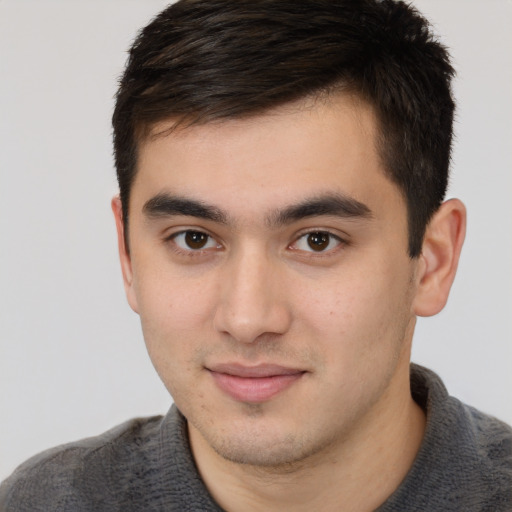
<point>318,241</point>
<point>196,239</point>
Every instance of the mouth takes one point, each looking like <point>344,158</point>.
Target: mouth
<point>254,384</point>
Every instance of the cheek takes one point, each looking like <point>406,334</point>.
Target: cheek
<point>175,314</point>
<point>360,331</point>
<point>171,300</point>
<point>357,312</point>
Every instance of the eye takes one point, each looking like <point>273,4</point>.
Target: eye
<point>317,241</point>
<point>194,240</point>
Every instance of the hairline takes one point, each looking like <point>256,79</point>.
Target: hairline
<point>143,131</point>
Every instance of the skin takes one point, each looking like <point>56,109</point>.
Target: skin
<point>341,315</point>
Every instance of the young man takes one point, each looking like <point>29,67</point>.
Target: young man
<point>282,168</point>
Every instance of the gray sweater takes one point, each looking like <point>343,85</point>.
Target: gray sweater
<point>464,464</point>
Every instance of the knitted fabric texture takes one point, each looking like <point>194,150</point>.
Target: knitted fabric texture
<point>464,464</point>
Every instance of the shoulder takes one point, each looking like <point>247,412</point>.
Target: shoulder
<point>481,447</point>
<point>481,438</point>
<point>59,478</point>
<point>465,461</point>
<point>490,441</point>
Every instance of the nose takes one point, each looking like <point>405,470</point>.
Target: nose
<point>252,298</point>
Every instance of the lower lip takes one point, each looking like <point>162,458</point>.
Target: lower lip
<point>254,390</point>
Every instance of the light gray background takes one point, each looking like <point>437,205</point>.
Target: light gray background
<point>72,359</point>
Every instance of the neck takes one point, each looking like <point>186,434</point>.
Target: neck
<point>360,472</point>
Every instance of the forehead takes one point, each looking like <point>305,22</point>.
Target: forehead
<point>262,162</point>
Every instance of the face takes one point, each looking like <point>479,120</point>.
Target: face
<point>268,263</point>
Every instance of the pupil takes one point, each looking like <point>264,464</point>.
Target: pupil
<point>196,239</point>
<point>318,241</point>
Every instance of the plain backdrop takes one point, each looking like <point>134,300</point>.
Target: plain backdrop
<point>72,358</point>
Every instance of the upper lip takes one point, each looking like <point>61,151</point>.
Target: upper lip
<point>258,371</point>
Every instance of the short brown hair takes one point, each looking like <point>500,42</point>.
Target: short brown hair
<point>204,60</point>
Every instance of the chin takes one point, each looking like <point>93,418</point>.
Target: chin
<point>264,448</point>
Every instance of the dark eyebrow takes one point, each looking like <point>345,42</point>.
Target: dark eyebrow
<point>163,205</point>
<point>337,205</point>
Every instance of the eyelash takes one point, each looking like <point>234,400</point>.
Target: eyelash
<point>323,233</point>
<point>190,252</point>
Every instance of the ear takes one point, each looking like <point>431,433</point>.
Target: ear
<point>439,258</point>
<point>124,255</point>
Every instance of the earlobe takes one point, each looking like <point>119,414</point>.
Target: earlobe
<point>124,255</point>
<point>439,258</point>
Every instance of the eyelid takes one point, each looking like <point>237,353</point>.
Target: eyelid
<point>170,238</point>
<point>341,241</point>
